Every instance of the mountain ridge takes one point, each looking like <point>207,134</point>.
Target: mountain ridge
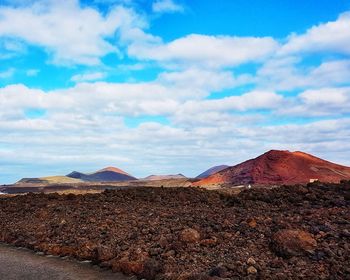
<point>211,171</point>
<point>107,174</point>
<point>164,177</point>
<point>279,167</point>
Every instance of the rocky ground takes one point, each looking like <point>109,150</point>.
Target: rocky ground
<point>186,233</point>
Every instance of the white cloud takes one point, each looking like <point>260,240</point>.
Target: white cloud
<point>320,102</point>
<point>132,67</point>
<point>10,48</point>
<point>88,120</point>
<point>67,141</point>
<point>32,72</point>
<point>18,2</point>
<point>78,78</point>
<point>208,51</point>
<point>73,34</point>
<point>248,101</point>
<point>7,74</point>
<point>332,36</point>
<point>109,2</point>
<point>166,97</point>
<point>331,96</point>
<point>332,72</point>
<point>166,6</point>
<point>288,73</point>
<point>196,78</point>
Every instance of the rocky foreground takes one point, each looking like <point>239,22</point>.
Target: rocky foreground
<point>186,233</point>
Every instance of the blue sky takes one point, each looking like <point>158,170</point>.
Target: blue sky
<point>170,86</point>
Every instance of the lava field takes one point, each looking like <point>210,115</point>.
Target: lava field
<point>289,232</point>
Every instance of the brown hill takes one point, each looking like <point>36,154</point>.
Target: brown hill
<point>49,180</point>
<point>108,174</point>
<point>211,171</point>
<point>164,177</point>
<point>277,168</point>
<point>113,169</point>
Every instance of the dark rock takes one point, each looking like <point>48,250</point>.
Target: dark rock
<point>189,235</point>
<point>289,243</point>
<point>219,271</point>
<point>186,233</point>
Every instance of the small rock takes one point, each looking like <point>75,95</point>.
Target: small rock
<point>288,243</point>
<point>163,242</point>
<point>251,261</point>
<point>104,253</point>
<point>150,269</point>
<point>345,233</point>
<point>276,263</point>
<point>155,251</point>
<point>252,223</point>
<point>189,235</point>
<point>128,267</point>
<point>170,253</point>
<point>252,270</point>
<point>219,271</point>
<point>209,242</point>
<point>230,266</point>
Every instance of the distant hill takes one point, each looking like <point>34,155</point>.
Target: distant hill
<point>49,180</point>
<point>113,169</point>
<point>277,168</point>
<point>76,175</point>
<point>164,177</point>
<point>211,171</point>
<point>108,174</point>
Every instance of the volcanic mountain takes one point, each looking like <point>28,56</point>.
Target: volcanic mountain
<point>211,171</point>
<point>164,177</point>
<point>108,174</point>
<point>278,168</point>
<point>49,180</point>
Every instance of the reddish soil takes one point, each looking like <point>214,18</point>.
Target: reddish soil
<point>113,169</point>
<point>278,168</point>
<point>186,233</point>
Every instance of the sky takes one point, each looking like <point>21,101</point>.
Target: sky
<point>170,86</point>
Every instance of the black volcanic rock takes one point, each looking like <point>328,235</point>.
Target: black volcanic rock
<point>290,232</point>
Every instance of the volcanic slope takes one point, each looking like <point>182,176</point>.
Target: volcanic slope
<point>211,171</point>
<point>49,180</point>
<point>278,168</point>
<point>164,177</point>
<point>108,174</point>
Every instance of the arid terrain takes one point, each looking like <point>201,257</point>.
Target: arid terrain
<point>278,168</point>
<point>88,187</point>
<point>290,232</point>
<point>273,168</point>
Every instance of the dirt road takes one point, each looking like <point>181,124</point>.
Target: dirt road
<point>24,264</point>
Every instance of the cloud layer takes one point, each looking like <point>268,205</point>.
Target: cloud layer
<point>67,31</point>
<point>133,99</point>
